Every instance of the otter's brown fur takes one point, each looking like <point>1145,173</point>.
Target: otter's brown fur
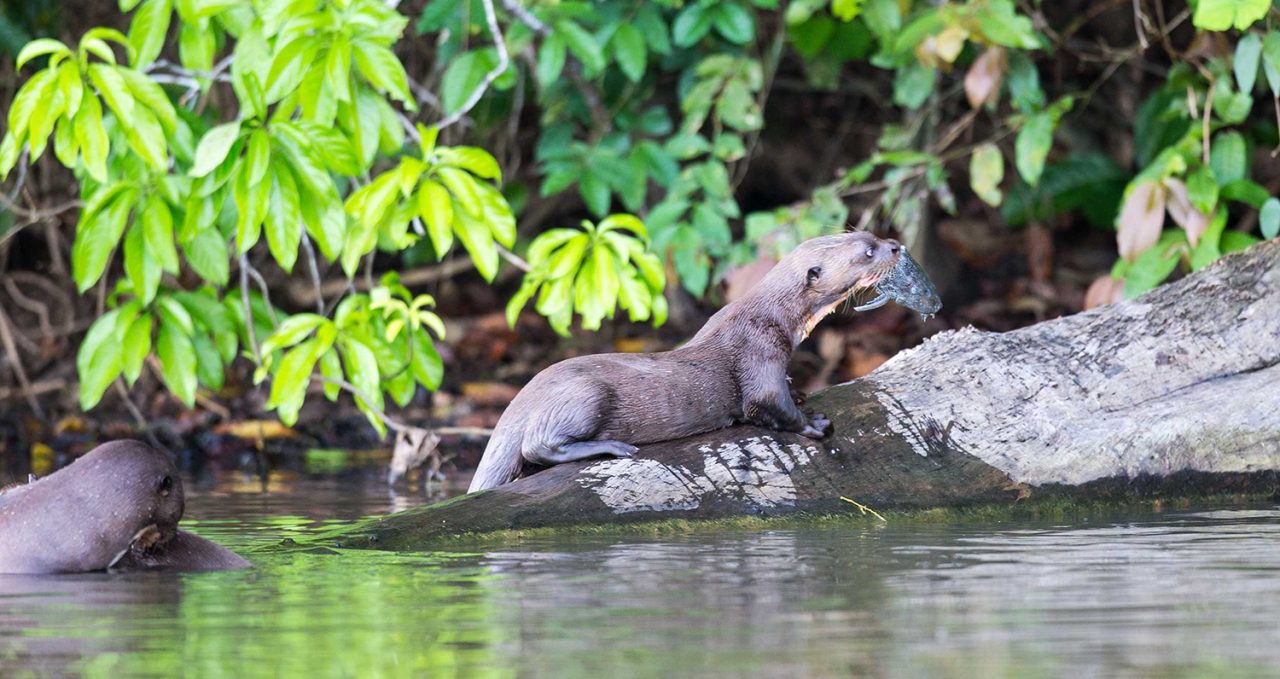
<point>86,516</point>
<point>733,370</point>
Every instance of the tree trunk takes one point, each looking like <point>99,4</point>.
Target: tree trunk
<point>1176,392</point>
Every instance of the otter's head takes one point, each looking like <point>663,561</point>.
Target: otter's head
<point>827,270</point>
<point>142,481</point>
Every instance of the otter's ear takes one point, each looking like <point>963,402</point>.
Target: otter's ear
<point>814,274</point>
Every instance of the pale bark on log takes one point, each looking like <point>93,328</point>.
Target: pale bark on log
<point>1176,392</point>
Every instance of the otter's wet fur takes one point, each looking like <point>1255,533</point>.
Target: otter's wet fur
<point>733,370</point>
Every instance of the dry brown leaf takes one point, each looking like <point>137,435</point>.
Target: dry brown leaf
<point>982,82</point>
<point>1141,218</point>
<point>489,394</point>
<point>1186,215</point>
<point>255,429</point>
<point>1104,290</point>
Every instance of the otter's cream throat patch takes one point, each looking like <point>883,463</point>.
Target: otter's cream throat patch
<point>755,470</point>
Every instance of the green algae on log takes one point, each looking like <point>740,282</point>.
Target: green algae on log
<point>1176,393</point>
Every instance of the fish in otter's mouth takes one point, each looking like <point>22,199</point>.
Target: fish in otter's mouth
<point>905,283</point>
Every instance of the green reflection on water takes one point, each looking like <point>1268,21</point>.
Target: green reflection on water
<point>1183,595</point>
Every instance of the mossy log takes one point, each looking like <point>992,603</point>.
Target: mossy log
<point>1176,392</point>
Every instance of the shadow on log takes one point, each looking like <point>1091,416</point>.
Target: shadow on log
<point>1177,392</point>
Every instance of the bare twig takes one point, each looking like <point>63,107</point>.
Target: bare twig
<point>31,216</point>
<point>463,431</point>
<point>1139,23</point>
<point>392,423</point>
<point>304,293</point>
<point>248,308</point>
<point>504,60</point>
<point>514,259</point>
<point>262,285</point>
<point>15,359</point>
<point>1208,111</point>
<point>138,417</point>
<point>525,17</point>
<point>36,389</point>
<point>40,310</point>
<point>314,270</point>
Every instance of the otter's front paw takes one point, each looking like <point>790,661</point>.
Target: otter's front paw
<point>818,428</point>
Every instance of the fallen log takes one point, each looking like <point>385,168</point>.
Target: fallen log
<point>1176,392</point>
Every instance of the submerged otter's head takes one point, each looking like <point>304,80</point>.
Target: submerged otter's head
<point>823,272</point>
<point>138,482</point>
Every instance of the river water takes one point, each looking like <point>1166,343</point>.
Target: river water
<point>1187,592</point>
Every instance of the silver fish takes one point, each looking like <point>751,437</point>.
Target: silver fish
<point>908,285</point>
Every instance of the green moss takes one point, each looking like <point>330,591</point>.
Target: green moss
<point>1045,509</point>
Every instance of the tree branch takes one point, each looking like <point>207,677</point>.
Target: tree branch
<point>504,60</point>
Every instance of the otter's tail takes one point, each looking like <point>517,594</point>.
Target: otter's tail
<point>501,461</point>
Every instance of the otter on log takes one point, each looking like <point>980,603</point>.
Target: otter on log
<point>733,371</point>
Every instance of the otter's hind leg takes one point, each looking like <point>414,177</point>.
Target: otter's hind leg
<point>567,430</point>
<point>578,450</point>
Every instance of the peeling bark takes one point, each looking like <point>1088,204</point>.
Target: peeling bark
<point>1176,392</point>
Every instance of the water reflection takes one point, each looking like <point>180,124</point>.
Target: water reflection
<point>1179,594</point>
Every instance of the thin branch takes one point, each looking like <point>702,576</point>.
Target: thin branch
<point>302,293</point>
<point>514,259</point>
<point>392,423</point>
<point>504,60</point>
<point>15,360</point>
<point>463,431</point>
<point>248,308</point>
<point>525,17</point>
<point>31,216</point>
<point>138,417</point>
<point>313,269</point>
<point>262,285</point>
<point>1208,112</point>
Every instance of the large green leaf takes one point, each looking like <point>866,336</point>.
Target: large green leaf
<point>157,224</point>
<point>1245,63</point>
<point>91,137</point>
<point>1228,157</point>
<point>135,347</point>
<point>463,75</point>
<point>177,361</point>
<point>362,371</point>
<point>148,30</point>
<point>139,265</point>
<point>98,233</point>
<point>208,257</point>
<point>692,24</point>
<point>582,44</point>
<point>98,360</point>
<point>1032,146</point>
<point>1221,15</point>
<point>986,172</point>
<point>383,70</point>
<point>477,239</point>
<point>283,223</point>
<point>733,22</point>
<point>436,209</point>
<point>213,148</point>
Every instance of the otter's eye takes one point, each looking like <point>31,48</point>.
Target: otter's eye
<point>871,251</point>
<point>814,274</point>
<point>166,485</point>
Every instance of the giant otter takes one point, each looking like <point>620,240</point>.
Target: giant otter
<point>118,505</point>
<point>733,370</point>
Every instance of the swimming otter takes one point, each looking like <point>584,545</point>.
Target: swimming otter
<point>85,516</point>
<point>733,370</point>
<point>117,506</point>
